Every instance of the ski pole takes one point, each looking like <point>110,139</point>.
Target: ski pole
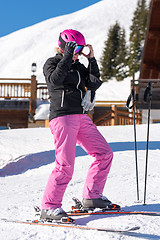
<point>132,96</point>
<point>147,97</point>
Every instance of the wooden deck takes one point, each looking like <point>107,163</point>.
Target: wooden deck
<point>114,113</point>
<point>140,86</point>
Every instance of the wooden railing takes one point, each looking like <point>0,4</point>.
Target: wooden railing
<point>25,88</point>
<point>110,103</point>
<point>42,91</point>
<point>116,112</point>
<point>115,116</point>
<point>140,85</point>
<point>15,89</point>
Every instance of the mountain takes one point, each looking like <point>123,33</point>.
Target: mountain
<point>36,43</point>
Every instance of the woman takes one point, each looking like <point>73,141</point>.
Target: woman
<point>72,89</point>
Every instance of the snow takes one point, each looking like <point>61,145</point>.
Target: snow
<point>42,110</point>
<point>27,158</point>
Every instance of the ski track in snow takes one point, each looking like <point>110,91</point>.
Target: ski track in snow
<point>27,159</point>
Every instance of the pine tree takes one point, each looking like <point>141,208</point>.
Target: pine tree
<point>113,61</point>
<point>137,36</point>
<point>110,52</point>
<point>121,70</point>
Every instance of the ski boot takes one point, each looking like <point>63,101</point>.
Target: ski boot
<point>102,202</point>
<point>57,215</point>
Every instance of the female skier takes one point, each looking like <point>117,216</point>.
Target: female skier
<point>72,89</point>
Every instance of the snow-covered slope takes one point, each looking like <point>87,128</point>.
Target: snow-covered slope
<point>27,158</point>
<point>36,43</point>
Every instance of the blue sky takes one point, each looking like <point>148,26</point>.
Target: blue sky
<point>17,14</point>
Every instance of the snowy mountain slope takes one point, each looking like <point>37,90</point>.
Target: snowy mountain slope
<point>27,157</point>
<point>36,43</point>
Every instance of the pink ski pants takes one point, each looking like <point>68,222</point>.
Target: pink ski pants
<point>67,131</point>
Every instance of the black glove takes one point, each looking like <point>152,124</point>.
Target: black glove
<point>69,48</point>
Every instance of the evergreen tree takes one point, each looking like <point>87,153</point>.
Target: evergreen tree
<point>121,69</point>
<point>137,36</point>
<point>113,61</point>
<point>110,52</point>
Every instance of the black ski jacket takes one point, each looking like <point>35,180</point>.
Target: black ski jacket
<point>67,82</point>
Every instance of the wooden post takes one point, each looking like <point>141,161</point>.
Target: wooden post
<point>33,98</point>
<point>114,115</point>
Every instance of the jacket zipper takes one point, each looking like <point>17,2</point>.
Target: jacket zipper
<point>79,81</point>
<point>62,98</point>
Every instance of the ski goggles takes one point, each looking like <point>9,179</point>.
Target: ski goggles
<point>78,49</point>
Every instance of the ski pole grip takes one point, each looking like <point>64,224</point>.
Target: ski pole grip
<point>128,100</point>
<point>131,95</point>
<point>148,91</point>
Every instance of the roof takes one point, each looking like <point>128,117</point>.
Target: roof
<point>150,66</point>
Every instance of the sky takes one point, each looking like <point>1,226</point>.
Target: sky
<point>18,14</point>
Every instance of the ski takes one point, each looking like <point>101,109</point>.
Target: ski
<point>101,212</point>
<point>78,210</point>
<point>84,212</point>
<point>81,227</point>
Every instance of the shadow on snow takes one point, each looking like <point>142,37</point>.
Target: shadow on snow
<point>32,161</point>
<point>149,207</point>
<point>129,146</point>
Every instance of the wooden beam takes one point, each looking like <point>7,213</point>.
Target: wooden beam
<point>16,79</point>
<point>154,33</point>
<point>151,65</point>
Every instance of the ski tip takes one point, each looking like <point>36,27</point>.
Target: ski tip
<point>134,228</point>
<point>130,229</point>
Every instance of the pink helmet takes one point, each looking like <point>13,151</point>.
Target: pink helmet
<point>71,35</point>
